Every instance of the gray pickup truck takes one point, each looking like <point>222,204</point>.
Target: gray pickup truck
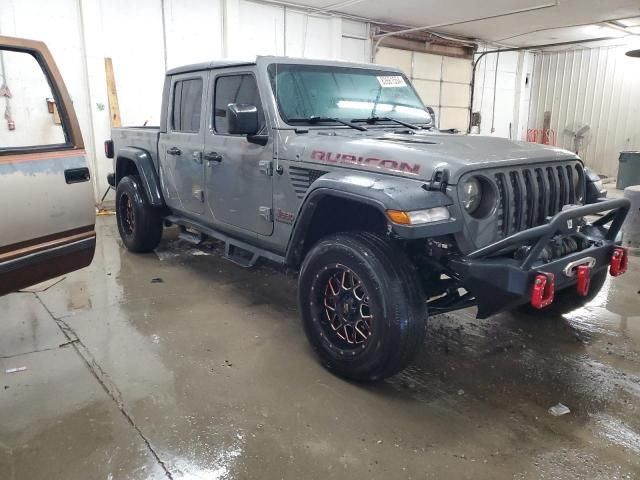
<point>336,170</point>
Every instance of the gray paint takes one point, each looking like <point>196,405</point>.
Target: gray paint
<point>386,166</point>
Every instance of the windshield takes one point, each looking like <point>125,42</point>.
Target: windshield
<point>346,93</point>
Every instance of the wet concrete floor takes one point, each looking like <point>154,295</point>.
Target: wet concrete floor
<point>180,365</point>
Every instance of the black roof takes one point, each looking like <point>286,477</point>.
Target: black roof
<point>208,66</point>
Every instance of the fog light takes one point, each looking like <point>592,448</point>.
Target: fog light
<point>418,217</point>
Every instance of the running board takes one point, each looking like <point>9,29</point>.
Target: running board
<point>195,238</point>
<point>234,248</point>
<point>248,260</point>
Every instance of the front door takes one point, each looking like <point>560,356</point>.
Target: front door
<point>47,209</point>
<point>181,145</point>
<point>238,172</point>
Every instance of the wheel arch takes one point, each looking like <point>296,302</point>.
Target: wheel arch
<point>326,211</point>
<point>135,161</point>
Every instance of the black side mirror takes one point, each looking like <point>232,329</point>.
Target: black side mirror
<point>242,119</point>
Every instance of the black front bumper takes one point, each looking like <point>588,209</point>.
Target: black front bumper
<point>498,281</point>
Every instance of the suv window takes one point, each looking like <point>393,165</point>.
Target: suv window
<point>28,108</point>
<point>234,89</point>
<point>187,105</point>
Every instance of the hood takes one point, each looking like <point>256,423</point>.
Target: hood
<point>413,155</point>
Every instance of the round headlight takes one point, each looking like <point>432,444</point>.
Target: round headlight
<point>471,194</point>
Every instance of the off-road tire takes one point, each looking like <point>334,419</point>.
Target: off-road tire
<point>567,300</point>
<point>395,302</point>
<point>139,224</point>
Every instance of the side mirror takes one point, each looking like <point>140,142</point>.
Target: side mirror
<point>242,119</point>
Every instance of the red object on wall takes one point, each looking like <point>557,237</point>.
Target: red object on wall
<point>541,135</point>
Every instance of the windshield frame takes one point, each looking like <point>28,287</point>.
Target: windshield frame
<point>373,70</point>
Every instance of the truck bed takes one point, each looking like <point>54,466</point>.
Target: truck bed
<point>145,138</point>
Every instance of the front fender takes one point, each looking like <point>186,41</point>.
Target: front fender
<point>382,192</point>
<point>146,169</point>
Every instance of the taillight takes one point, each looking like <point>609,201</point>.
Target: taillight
<point>108,148</point>
<point>543,290</point>
<point>619,261</point>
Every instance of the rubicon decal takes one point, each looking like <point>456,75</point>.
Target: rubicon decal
<point>349,159</point>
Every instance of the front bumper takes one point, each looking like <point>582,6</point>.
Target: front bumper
<point>498,281</point>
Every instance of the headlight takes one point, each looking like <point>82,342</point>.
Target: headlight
<point>417,217</point>
<point>471,194</point>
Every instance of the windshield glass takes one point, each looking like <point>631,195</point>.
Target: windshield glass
<point>346,93</point>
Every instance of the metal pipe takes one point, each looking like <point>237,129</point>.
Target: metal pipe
<point>381,37</point>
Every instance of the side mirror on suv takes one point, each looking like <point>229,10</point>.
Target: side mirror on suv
<point>242,119</point>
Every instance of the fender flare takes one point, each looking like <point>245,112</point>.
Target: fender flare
<point>381,192</point>
<point>147,171</point>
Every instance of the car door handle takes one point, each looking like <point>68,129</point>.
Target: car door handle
<point>174,151</point>
<point>77,175</point>
<point>212,157</point>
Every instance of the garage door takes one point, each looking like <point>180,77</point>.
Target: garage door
<point>443,83</point>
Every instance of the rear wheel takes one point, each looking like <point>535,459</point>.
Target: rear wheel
<point>568,300</point>
<point>362,307</point>
<point>139,224</point>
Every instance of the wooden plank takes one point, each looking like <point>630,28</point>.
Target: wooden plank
<point>112,94</point>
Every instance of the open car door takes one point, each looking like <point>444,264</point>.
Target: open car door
<point>47,211</point>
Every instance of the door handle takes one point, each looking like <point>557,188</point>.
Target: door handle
<point>77,175</point>
<point>174,151</point>
<point>212,157</point>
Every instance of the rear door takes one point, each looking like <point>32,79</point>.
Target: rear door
<point>181,146</point>
<point>47,209</point>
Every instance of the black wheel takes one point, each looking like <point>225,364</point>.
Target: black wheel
<point>362,307</point>
<point>567,300</point>
<point>139,224</point>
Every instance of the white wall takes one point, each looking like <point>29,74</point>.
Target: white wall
<point>597,86</point>
<point>144,37</point>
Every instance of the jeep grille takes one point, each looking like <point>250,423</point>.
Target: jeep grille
<point>528,195</point>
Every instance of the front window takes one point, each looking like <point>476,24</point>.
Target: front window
<point>345,93</point>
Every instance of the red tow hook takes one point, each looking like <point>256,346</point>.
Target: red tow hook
<point>543,290</point>
<point>619,261</point>
<point>583,273</point>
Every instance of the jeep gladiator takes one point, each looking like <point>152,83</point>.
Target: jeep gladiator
<point>337,171</point>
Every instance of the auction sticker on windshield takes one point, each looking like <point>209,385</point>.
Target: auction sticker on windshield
<point>392,81</point>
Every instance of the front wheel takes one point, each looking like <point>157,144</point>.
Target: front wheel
<point>139,224</point>
<point>362,307</point>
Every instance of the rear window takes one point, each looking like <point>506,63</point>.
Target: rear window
<point>187,105</point>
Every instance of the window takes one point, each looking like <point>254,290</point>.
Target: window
<point>29,115</point>
<point>187,105</point>
<point>240,89</point>
<point>304,91</point>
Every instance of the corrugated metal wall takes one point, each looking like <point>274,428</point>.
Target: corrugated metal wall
<point>599,87</point>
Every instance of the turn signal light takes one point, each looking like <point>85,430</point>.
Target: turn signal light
<point>543,290</point>
<point>619,261</point>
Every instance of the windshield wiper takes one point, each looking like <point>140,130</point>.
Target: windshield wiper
<point>372,120</point>
<point>315,119</point>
